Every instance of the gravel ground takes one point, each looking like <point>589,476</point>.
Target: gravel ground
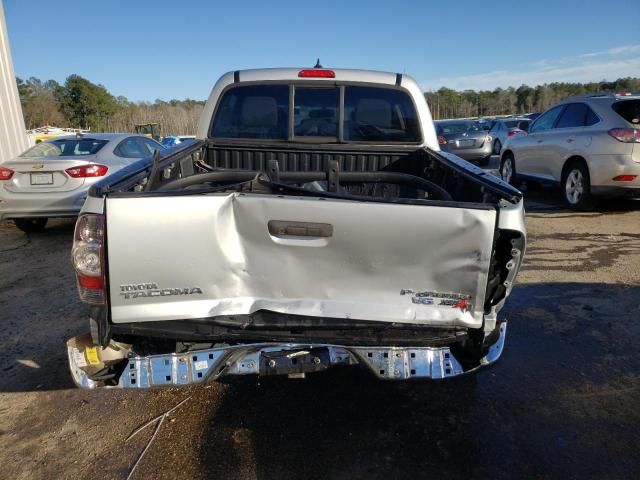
<point>562,402</point>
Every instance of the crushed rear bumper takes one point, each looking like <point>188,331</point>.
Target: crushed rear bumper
<point>93,367</point>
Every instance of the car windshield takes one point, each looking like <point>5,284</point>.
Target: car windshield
<point>629,110</point>
<point>370,114</point>
<point>458,127</point>
<point>65,148</point>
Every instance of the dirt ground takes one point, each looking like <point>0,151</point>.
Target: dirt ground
<point>562,402</point>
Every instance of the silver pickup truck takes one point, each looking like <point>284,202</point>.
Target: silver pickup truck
<point>313,222</point>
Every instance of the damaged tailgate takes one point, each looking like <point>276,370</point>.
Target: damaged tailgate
<point>205,256</point>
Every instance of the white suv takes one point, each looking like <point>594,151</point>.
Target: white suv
<point>589,145</point>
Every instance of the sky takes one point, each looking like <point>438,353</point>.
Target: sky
<point>145,50</point>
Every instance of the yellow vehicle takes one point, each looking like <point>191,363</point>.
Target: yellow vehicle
<point>151,130</point>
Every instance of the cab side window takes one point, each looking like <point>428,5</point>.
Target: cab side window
<point>546,120</point>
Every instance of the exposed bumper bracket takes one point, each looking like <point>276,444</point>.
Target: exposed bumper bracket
<point>390,363</point>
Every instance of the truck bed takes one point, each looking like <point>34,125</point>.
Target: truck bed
<point>222,243</point>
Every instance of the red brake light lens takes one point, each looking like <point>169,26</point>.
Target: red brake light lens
<point>92,283</point>
<point>87,257</point>
<point>625,178</point>
<point>442,140</point>
<point>6,173</point>
<point>316,73</point>
<point>511,133</point>
<point>86,171</point>
<point>626,135</point>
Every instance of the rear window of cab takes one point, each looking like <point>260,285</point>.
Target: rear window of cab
<point>323,113</point>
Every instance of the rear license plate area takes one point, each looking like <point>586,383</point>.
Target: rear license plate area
<point>466,143</point>
<point>43,178</point>
<point>286,362</point>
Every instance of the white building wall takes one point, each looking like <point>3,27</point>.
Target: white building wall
<point>13,137</point>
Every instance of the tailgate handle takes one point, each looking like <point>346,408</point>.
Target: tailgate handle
<point>289,229</point>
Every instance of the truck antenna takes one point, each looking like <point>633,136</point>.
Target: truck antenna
<point>318,64</point>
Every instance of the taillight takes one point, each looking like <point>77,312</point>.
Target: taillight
<point>316,73</point>
<point>625,178</point>
<point>6,173</point>
<point>489,139</point>
<point>511,133</point>
<point>85,171</point>
<point>626,135</point>
<point>87,257</point>
<point>442,140</point>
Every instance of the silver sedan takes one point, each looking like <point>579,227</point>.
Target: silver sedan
<point>51,179</point>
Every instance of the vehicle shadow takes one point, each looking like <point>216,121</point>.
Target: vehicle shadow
<point>562,396</point>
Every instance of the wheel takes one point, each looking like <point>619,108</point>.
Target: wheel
<point>576,186</point>
<point>508,170</point>
<point>484,162</point>
<point>497,147</point>
<point>31,225</point>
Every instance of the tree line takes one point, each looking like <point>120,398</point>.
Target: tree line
<point>447,103</point>
<point>79,103</point>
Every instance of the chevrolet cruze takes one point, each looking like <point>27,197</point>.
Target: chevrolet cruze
<point>51,179</point>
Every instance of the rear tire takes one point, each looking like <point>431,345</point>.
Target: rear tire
<point>497,147</point>
<point>31,225</point>
<point>508,170</point>
<point>576,187</point>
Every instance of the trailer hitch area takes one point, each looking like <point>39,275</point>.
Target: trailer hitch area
<point>295,363</point>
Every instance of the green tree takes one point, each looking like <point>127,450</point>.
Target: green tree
<point>86,104</point>
<point>23,90</point>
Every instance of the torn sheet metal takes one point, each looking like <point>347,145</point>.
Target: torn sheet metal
<point>235,254</point>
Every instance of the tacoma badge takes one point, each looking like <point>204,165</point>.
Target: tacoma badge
<point>136,290</point>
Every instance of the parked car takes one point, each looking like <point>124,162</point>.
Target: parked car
<point>533,116</point>
<point>51,179</point>
<point>465,139</point>
<point>504,128</point>
<point>267,250</point>
<point>173,140</point>
<point>588,145</point>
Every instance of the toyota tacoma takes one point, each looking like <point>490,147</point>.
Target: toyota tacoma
<point>313,222</point>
